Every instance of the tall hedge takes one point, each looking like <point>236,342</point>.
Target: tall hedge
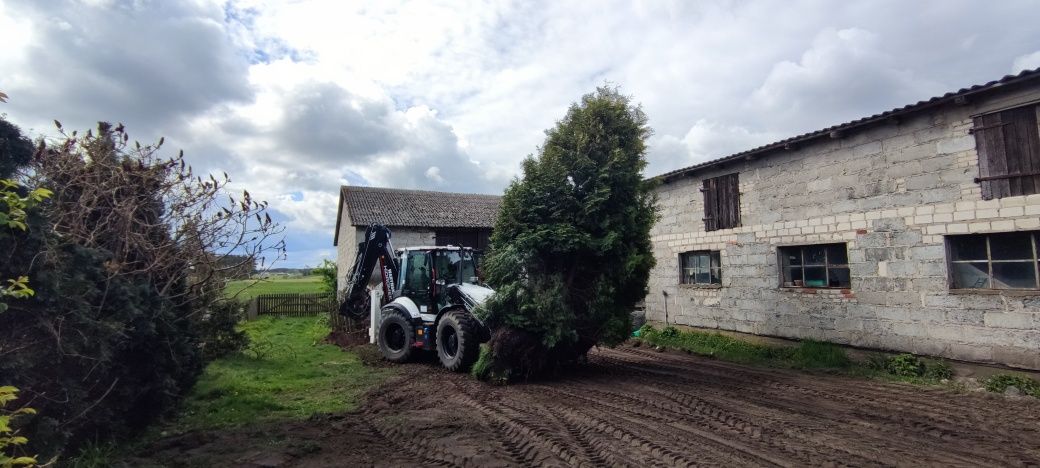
<point>571,251</point>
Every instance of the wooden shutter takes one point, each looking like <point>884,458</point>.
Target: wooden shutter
<point>721,202</point>
<point>711,212</point>
<point>1008,143</point>
<point>730,206</point>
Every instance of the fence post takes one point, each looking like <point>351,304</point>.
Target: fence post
<point>252,311</point>
<point>374,299</point>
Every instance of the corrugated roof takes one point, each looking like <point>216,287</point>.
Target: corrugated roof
<point>416,208</point>
<point>853,125</point>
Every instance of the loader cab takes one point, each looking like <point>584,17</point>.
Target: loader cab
<point>427,271</point>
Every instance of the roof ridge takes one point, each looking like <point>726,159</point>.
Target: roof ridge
<point>364,188</point>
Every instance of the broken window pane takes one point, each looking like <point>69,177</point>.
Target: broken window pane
<point>716,260</point>
<point>716,276</point>
<point>1011,246</point>
<point>970,275</point>
<point>968,248</point>
<point>1014,275</point>
<point>837,254</point>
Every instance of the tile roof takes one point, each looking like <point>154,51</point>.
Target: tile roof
<point>955,96</point>
<point>416,208</point>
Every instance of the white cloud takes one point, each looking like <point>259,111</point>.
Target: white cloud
<point>840,71</point>
<point>1026,62</point>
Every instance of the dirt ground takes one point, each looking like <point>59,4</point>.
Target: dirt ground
<point>637,407</point>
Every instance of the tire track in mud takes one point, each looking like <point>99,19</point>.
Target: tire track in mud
<point>939,416</point>
<point>902,419</point>
<point>936,415</point>
<point>634,407</point>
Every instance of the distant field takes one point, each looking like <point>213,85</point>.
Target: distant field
<point>247,289</point>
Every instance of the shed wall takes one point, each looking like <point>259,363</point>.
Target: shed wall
<point>891,193</point>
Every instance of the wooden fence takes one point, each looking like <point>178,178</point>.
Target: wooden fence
<point>293,305</point>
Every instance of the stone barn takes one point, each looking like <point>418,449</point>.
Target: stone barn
<point>415,218</point>
<point>915,230</point>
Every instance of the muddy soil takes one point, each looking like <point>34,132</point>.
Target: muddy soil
<point>637,407</point>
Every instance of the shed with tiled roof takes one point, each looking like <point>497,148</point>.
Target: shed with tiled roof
<point>415,217</point>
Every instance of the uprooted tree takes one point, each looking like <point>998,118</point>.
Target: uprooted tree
<point>571,251</point>
<point>127,258</point>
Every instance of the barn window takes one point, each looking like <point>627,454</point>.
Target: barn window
<point>721,202</point>
<point>815,266</point>
<point>1008,143</point>
<point>994,261</point>
<point>703,267</point>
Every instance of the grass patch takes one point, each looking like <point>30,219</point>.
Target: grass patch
<point>808,354</point>
<point>284,374</point>
<point>247,289</point>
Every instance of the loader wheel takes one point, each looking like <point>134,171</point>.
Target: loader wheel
<point>396,336</point>
<point>458,344</point>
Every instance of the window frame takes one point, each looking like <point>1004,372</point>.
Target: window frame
<point>713,256</point>
<point>948,240</point>
<point>826,265</point>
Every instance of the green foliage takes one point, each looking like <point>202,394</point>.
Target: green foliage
<point>817,354</point>
<point>1000,382</point>
<point>291,379</point>
<point>326,272</point>
<point>571,249</point>
<point>938,370</point>
<point>13,214</point>
<point>93,454</point>
<point>905,365</point>
<point>670,332</point>
<point>13,205</point>
<point>218,333</point>
<point>714,345</point>
<point>9,438</point>
<point>484,369</point>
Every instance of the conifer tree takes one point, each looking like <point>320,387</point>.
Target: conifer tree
<point>571,251</point>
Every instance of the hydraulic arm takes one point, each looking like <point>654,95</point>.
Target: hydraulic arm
<point>376,248</point>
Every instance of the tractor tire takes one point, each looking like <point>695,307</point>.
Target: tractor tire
<point>396,336</point>
<point>458,340</point>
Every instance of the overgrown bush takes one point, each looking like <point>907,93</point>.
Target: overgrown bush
<point>125,262</point>
<point>938,370</point>
<point>571,249</point>
<point>1000,382</point>
<point>905,365</point>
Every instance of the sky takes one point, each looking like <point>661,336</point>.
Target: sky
<point>294,99</point>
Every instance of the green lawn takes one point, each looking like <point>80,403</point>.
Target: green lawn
<point>285,374</point>
<point>247,289</point>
